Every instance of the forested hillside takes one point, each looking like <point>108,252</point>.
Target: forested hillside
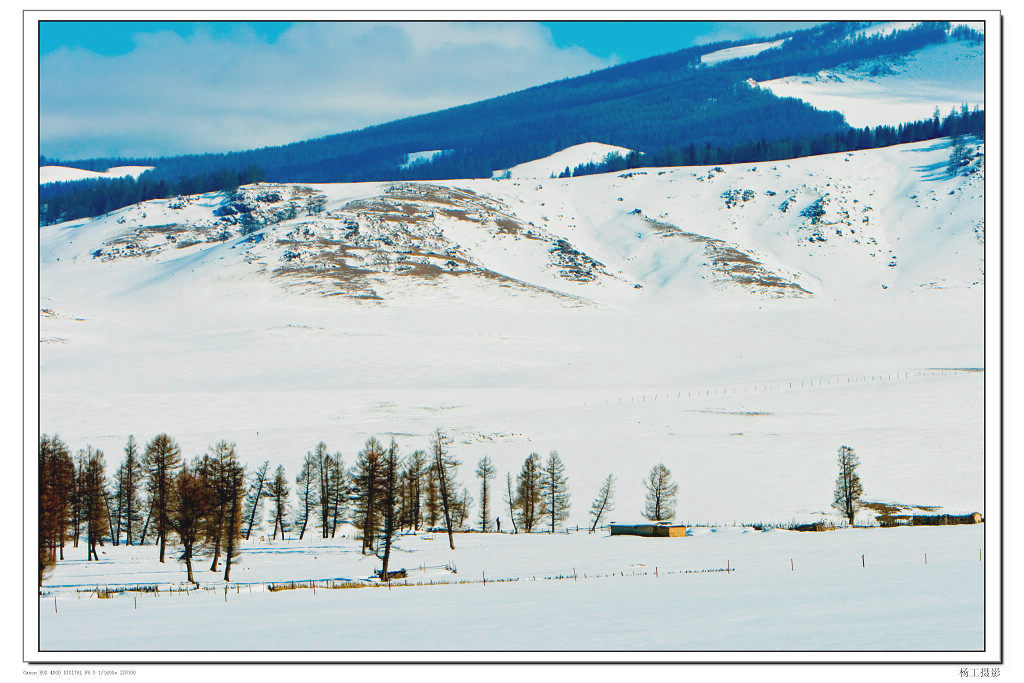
<point>671,101</point>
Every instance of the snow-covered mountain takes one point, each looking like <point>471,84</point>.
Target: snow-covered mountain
<point>827,226</point>
<point>728,319</point>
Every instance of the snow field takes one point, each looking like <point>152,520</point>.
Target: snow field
<point>56,174</point>
<point>744,397</point>
<point>570,157</point>
<point>828,601</point>
<point>738,52</point>
<point>883,93</point>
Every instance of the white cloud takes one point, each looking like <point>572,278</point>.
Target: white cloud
<point>214,93</point>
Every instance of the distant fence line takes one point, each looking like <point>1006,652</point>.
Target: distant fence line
<point>787,385</point>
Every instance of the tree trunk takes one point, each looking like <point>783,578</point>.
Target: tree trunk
<point>443,482</point>
<point>145,527</point>
<point>511,507</point>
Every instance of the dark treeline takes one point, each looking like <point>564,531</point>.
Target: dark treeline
<point>667,101</point>
<point>206,506</point>
<point>955,124</point>
<point>66,201</point>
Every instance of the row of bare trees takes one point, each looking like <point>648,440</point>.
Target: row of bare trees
<point>199,501</point>
<point>209,503</point>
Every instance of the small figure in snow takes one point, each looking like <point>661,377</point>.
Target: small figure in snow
<point>497,521</point>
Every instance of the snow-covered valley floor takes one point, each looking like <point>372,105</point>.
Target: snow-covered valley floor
<point>743,393</point>
<point>790,591</point>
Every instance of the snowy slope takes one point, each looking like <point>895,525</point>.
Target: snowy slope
<point>782,310</point>
<point>893,91</point>
<point>56,174</point>
<point>738,52</point>
<point>415,158</point>
<point>570,157</point>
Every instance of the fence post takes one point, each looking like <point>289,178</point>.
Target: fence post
<point>862,561</point>
<point>792,568</point>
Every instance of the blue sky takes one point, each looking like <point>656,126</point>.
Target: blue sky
<point>160,88</point>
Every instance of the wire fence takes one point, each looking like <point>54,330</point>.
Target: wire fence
<point>448,575</point>
<point>786,385</point>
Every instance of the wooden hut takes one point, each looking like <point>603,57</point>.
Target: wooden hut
<point>649,530</point>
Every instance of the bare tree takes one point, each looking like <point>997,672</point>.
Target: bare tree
<point>485,471</point>
<point>127,480</point>
<point>460,508</point>
<point>527,504</point>
<point>305,492</point>
<point>445,467</point>
<point>337,491</point>
<point>189,506</point>
<point>554,486</point>
<point>77,497</point>
<point>604,503</point>
<point>661,494</point>
<point>94,501</point>
<point>56,483</point>
<point>277,491</point>
<point>234,482</point>
<point>323,463</point>
<point>225,476</point>
<point>389,503</point>
<point>510,499</point>
<point>161,460</point>
<point>254,498</point>
<point>431,495</point>
<point>413,476</point>
<point>848,490</point>
<point>366,476</point>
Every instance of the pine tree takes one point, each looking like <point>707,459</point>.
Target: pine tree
<point>554,490</point>
<point>604,503</point>
<point>661,494</point>
<point>485,471</point>
<point>527,503</point>
<point>846,498</point>
<point>161,461</point>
